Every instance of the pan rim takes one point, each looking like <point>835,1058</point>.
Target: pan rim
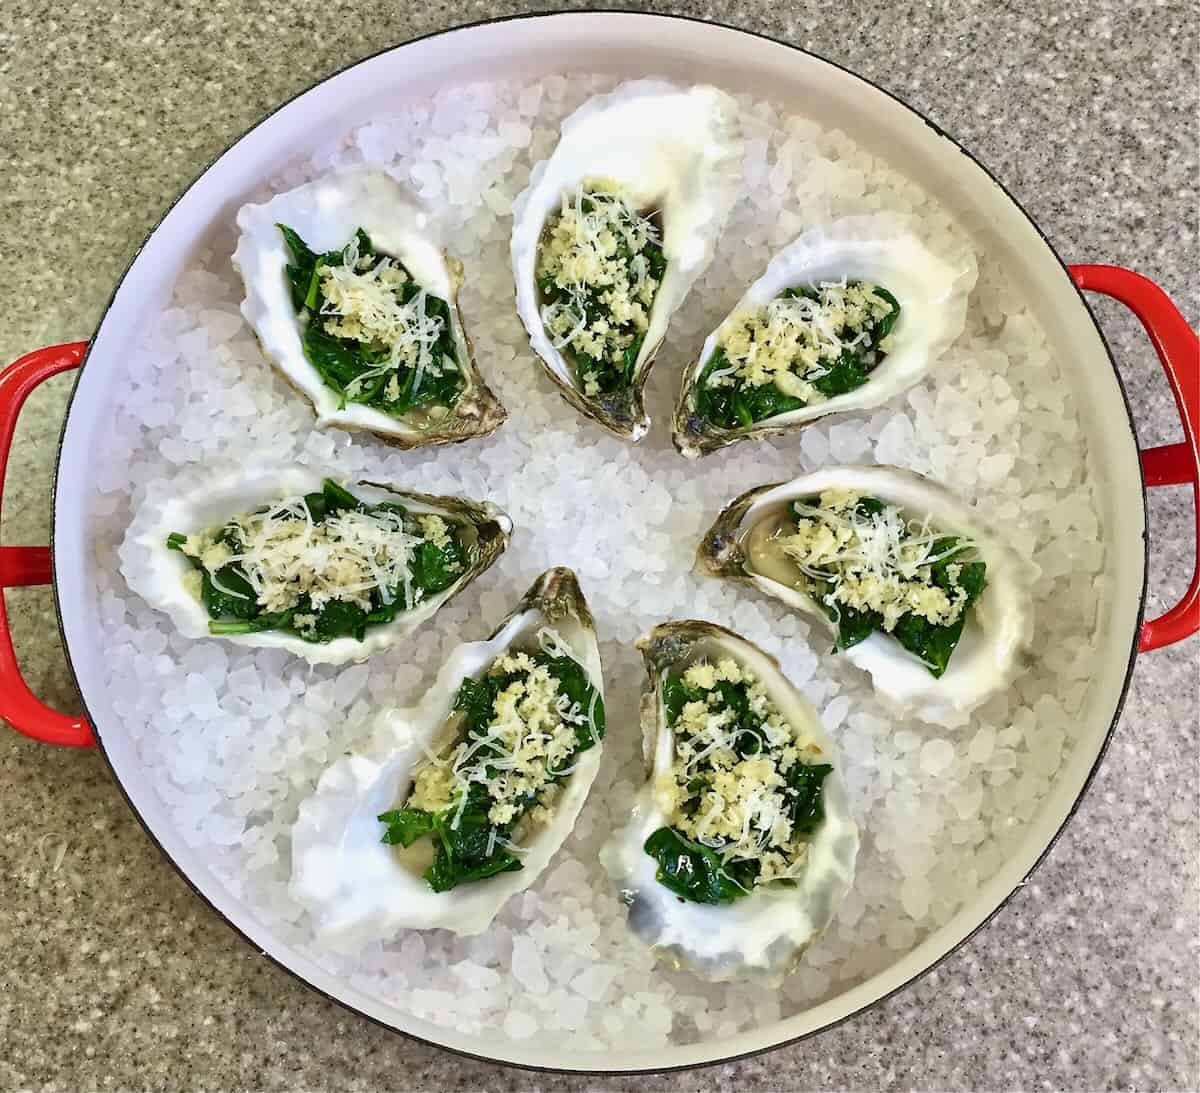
<point>736,1055</point>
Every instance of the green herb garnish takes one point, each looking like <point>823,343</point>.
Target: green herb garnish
<point>470,841</point>
<point>378,356</point>
<point>727,732</point>
<point>249,546</point>
<point>727,399</point>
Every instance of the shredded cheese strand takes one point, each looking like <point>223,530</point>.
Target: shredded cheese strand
<point>531,732</point>
<point>873,561</point>
<point>284,555</point>
<point>792,341</point>
<point>736,805</point>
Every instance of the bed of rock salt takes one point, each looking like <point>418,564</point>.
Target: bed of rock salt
<point>235,739</point>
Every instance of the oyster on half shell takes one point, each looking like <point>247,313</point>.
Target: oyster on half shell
<point>358,888</point>
<point>637,190</point>
<point>796,347</point>
<point>171,580</point>
<point>741,921</point>
<point>374,301</point>
<point>745,544</point>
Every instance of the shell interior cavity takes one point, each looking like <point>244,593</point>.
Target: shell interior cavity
<point>358,889</point>
<point>762,934</point>
<point>671,154</point>
<point>163,576</point>
<point>741,545</point>
<point>878,249</point>
<point>326,214</point>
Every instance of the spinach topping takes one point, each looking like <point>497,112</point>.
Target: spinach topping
<point>953,569</point>
<point>738,760</point>
<point>599,267</point>
<point>398,355</point>
<point>696,873</point>
<point>725,398</point>
<point>236,606</point>
<point>478,831</point>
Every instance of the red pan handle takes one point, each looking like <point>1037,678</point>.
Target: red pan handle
<point>1178,349</point>
<point>1173,464</point>
<point>21,566</point>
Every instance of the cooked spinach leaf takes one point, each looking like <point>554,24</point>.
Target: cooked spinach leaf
<point>239,601</point>
<point>232,603</point>
<point>405,825</point>
<point>360,371</point>
<point>932,643</point>
<point>854,625</point>
<point>935,644</point>
<point>435,568</point>
<point>701,873</point>
<point>739,404</point>
<point>806,806</point>
<point>467,845</point>
<point>696,873</point>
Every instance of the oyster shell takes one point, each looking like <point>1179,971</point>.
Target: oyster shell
<point>880,249</point>
<point>356,888</point>
<point>670,151</point>
<point>159,575</point>
<point>999,623</point>
<point>326,214</point>
<point>764,933</point>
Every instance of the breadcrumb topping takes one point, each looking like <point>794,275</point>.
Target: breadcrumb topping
<point>796,339</point>
<point>720,795</point>
<point>878,561</point>
<point>593,267</point>
<point>285,555</point>
<point>527,742</point>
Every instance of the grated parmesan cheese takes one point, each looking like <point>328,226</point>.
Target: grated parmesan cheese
<point>873,561</point>
<point>596,255</point>
<point>794,340</point>
<point>286,556</point>
<point>526,744</point>
<point>736,804</point>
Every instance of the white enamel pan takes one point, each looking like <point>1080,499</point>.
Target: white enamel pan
<point>627,45</point>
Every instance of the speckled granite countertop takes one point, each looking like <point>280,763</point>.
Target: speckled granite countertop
<point>113,974</point>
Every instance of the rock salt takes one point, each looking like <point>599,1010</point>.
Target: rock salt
<point>936,756</point>
<point>519,1025</point>
<point>527,965</point>
<point>250,734</point>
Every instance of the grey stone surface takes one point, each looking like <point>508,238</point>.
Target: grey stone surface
<point>113,974</point>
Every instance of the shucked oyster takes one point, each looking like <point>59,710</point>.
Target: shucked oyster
<point>844,317</point>
<point>915,586</point>
<point>612,232</point>
<point>465,798</point>
<point>741,846</point>
<point>355,302</point>
<point>294,560</point>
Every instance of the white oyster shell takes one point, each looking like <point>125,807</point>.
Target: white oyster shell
<point>672,149</point>
<point>359,890</point>
<point>326,213</point>
<point>157,574</point>
<point>762,935</point>
<point>999,626</point>
<point>932,293</point>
